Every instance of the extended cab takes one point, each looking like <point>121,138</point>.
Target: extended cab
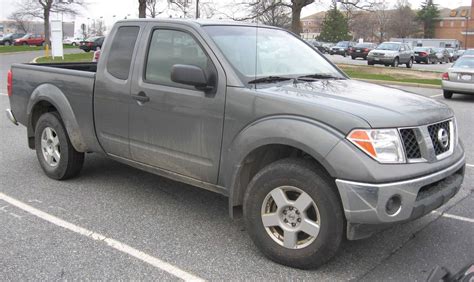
<point>253,113</point>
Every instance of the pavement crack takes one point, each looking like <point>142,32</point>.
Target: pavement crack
<point>412,236</point>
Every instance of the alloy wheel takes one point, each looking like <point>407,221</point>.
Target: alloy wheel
<point>50,146</point>
<point>290,217</point>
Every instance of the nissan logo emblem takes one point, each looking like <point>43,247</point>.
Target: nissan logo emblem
<point>443,138</point>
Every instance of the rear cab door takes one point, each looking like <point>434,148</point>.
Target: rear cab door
<point>112,88</point>
<point>178,128</point>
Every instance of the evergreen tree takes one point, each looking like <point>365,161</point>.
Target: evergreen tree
<point>335,26</point>
<point>428,15</point>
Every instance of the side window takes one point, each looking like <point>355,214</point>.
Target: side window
<point>171,47</point>
<point>121,51</point>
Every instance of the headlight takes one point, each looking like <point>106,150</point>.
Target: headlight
<point>383,145</point>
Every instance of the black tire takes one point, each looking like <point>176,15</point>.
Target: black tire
<point>70,162</point>
<point>417,62</point>
<point>74,44</point>
<point>87,50</point>
<point>315,182</point>
<point>410,64</point>
<point>370,63</point>
<point>353,57</point>
<point>447,94</point>
<point>7,43</point>
<point>345,54</point>
<point>395,63</point>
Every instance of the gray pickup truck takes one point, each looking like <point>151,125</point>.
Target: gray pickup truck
<point>253,113</point>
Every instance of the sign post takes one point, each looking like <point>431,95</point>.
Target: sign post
<point>57,38</point>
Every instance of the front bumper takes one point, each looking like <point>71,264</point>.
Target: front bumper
<point>381,60</point>
<point>365,205</point>
<point>461,87</point>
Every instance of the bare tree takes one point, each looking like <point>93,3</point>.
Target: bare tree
<point>402,21</point>
<point>21,22</point>
<point>151,7</point>
<point>42,9</point>
<point>181,6</point>
<point>97,28</point>
<point>142,8</point>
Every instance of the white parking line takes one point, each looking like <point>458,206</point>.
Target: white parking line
<point>448,215</point>
<point>470,165</point>
<point>3,94</point>
<point>171,269</point>
<point>437,95</point>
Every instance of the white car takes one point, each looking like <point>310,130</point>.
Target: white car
<point>74,41</point>
<point>460,77</point>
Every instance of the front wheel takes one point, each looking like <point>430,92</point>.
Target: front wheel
<point>56,155</point>
<point>395,63</point>
<point>447,94</point>
<point>293,214</point>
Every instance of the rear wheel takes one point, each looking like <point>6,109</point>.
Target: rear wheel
<point>353,57</point>
<point>410,64</point>
<point>7,43</point>
<point>447,94</point>
<point>55,153</point>
<point>293,214</point>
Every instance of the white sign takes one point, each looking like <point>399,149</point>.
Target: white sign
<point>57,38</point>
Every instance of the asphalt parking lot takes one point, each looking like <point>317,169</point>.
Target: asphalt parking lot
<point>116,222</point>
<point>338,59</point>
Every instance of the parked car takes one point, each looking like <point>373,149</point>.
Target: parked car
<point>30,39</point>
<point>9,39</point>
<point>74,41</point>
<point>96,56</point>
<point>327,47</point>
<point>453,56</point>
<point>459,78</point>
<point>425,55</point>
<point>361,50</point>
<point>92,43</point>
<point>315,158</point>
<point>443,55</point>
<point>342,48</point>
<point>391,54</point>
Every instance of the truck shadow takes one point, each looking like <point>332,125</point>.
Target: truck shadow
<point>172,215</point>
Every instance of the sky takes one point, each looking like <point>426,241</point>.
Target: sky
<point>121,8</point>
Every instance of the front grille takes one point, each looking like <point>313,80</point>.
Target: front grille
<point>434,130</point>
<point>412,149</point>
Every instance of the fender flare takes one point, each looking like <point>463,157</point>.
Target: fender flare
<point>312,137</point>
<point>53,95</point>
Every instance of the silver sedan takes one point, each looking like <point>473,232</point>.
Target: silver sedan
<point>460,77</point>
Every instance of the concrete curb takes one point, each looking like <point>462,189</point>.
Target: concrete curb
<point>389,82</point>
<point>34,60</point>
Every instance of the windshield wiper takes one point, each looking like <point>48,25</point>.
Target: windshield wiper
<point>318,76</point>
<point>270,79</point>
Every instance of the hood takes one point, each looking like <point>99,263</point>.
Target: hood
<point>379,106</point>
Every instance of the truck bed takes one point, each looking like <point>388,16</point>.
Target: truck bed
<point>67,86</point>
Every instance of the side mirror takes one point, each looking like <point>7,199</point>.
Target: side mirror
<point>190,75</point>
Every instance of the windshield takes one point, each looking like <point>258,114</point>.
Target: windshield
<point>262,52</point>
<point>343,44</point>
<point>465,62</point>
<point>389,46</point>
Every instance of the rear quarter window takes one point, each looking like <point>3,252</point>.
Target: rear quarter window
<point>121,51</point>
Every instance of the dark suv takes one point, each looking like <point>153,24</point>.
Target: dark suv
<point>92,43</point>
<point>362,50</point>
<point>9,39</point>
<point>342,48</point>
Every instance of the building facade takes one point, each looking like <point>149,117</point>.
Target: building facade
<point>457,24</point>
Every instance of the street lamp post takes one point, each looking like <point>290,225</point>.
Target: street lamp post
<point>465,35</point>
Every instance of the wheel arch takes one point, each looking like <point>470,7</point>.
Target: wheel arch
<point>269,140</point>
<point>47,98</point>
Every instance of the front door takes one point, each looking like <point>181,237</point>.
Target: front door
<point>173,126</point>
